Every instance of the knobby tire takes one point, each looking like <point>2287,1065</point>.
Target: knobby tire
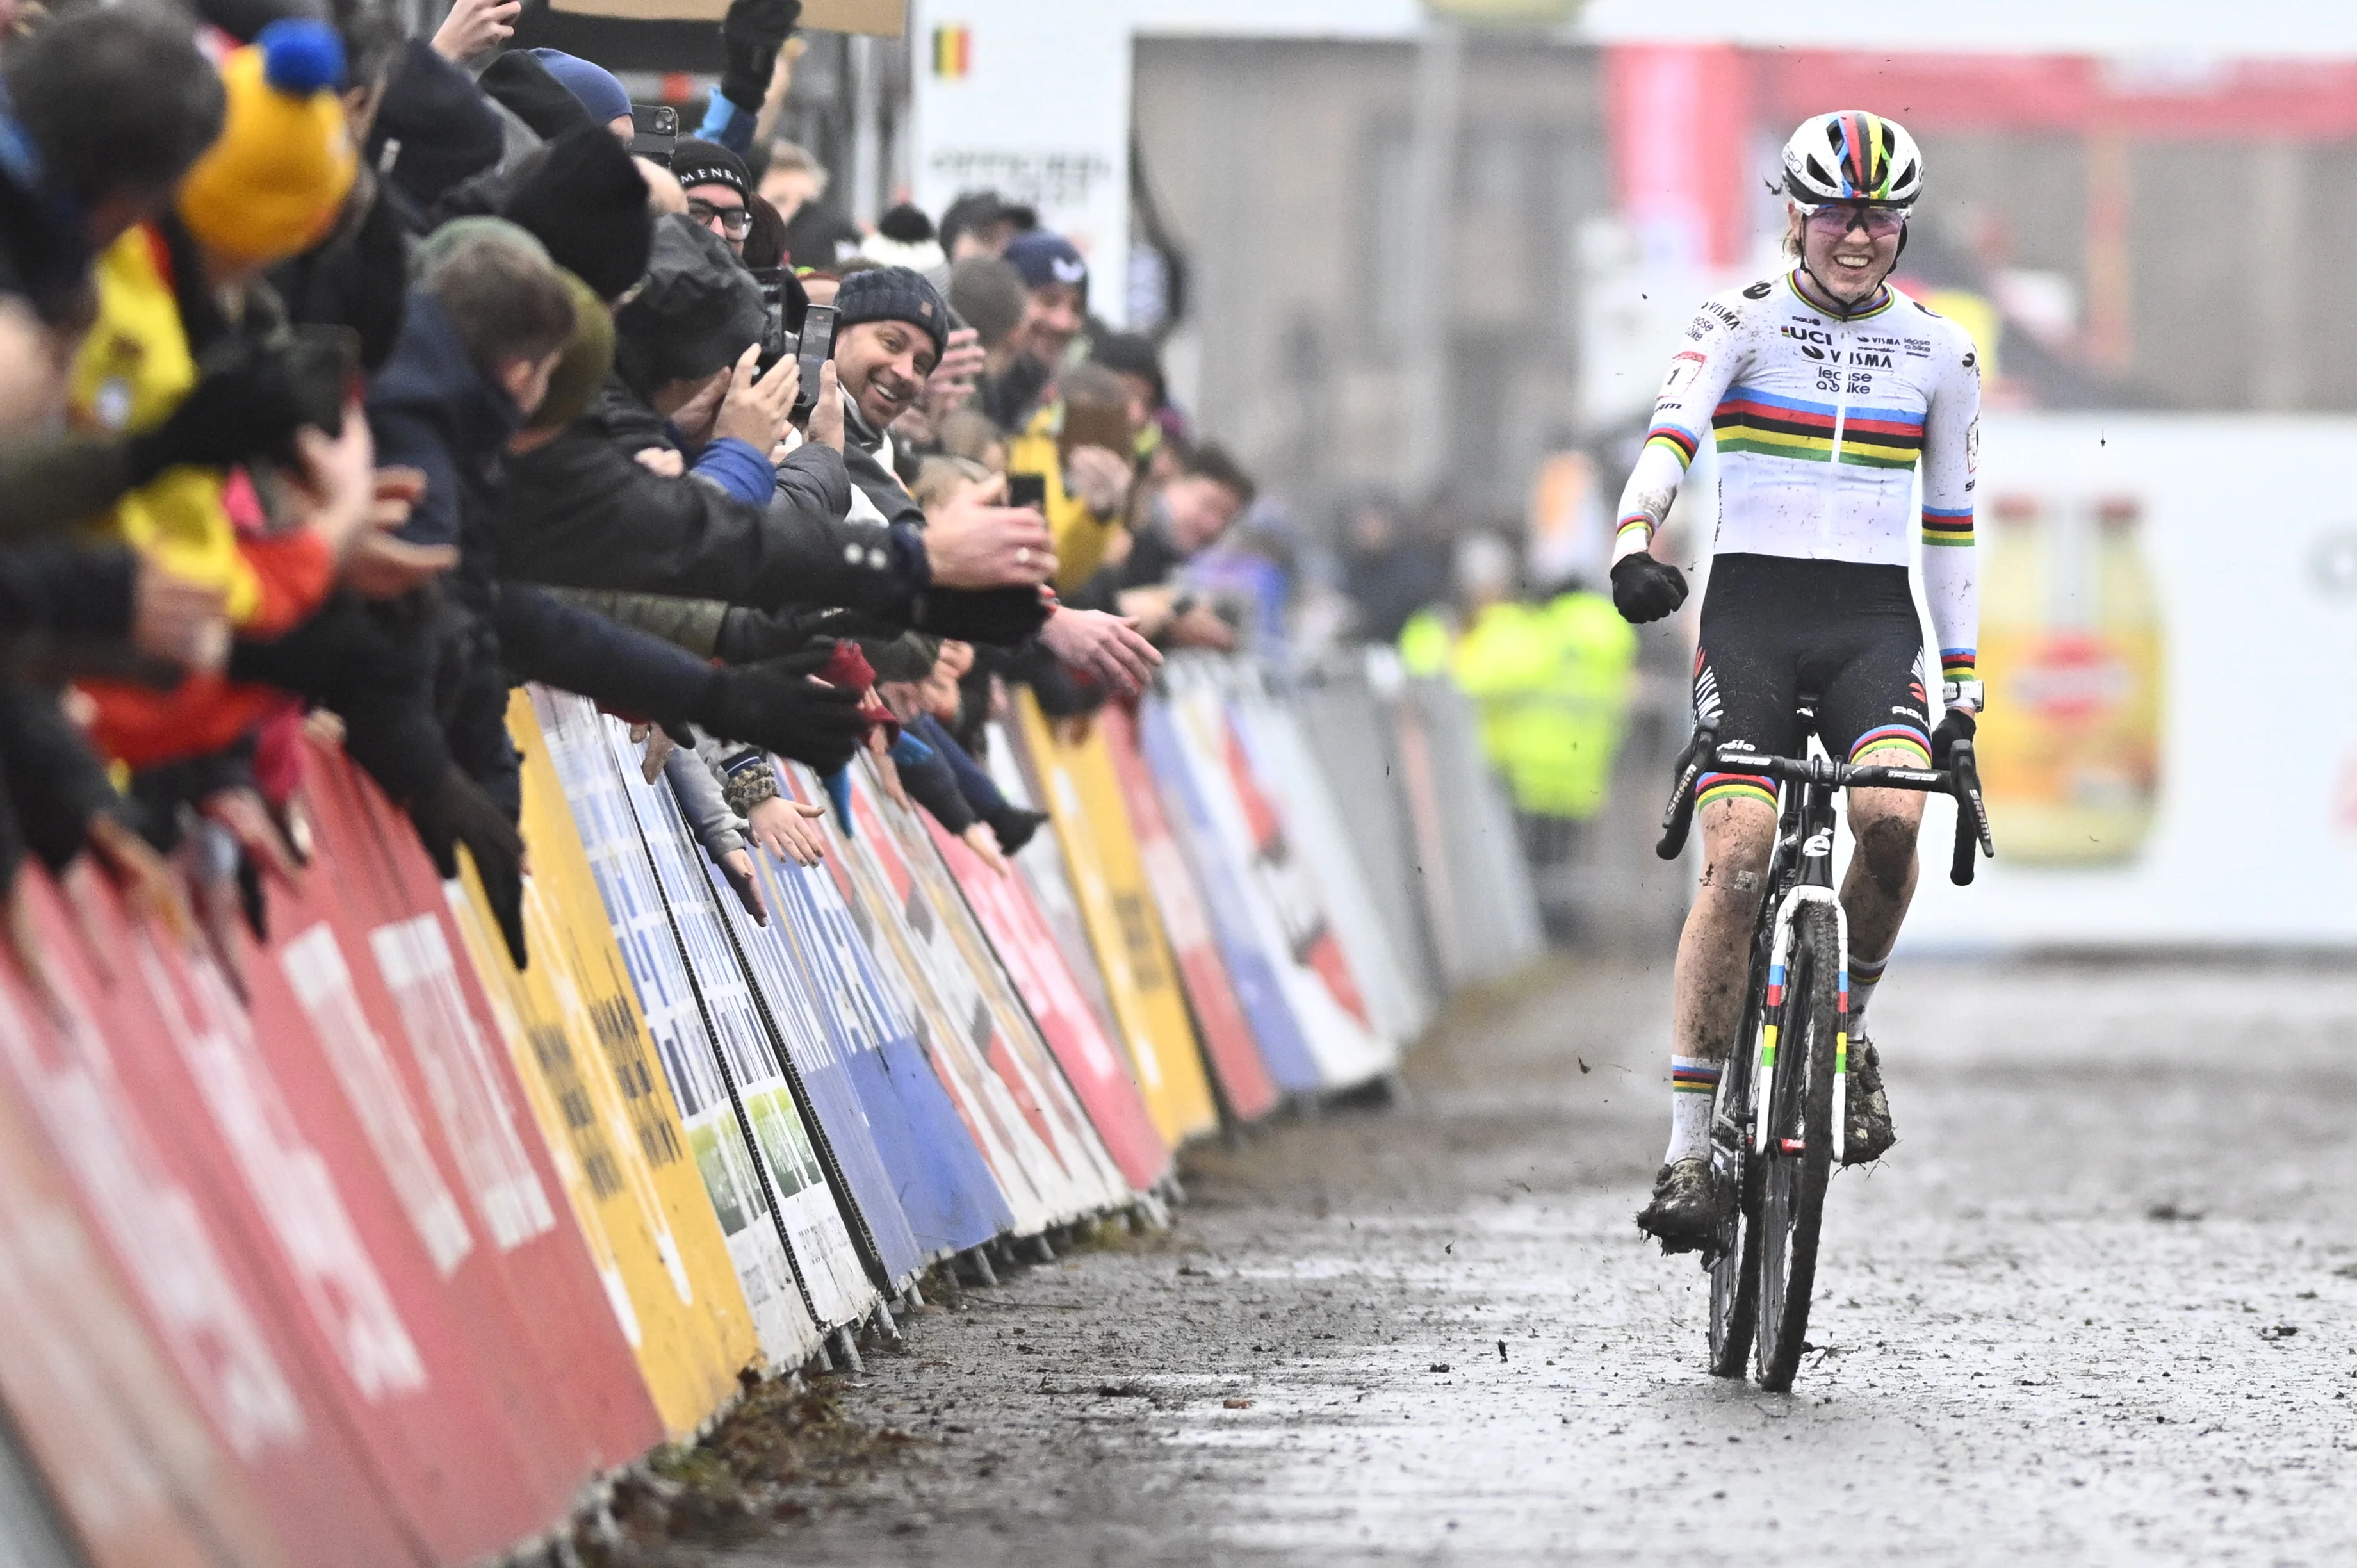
<point>1735,1272</point>
<point>1792,1200</point>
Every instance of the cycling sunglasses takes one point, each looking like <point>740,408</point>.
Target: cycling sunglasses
<point>1837,217</point>
<point>737,222</point>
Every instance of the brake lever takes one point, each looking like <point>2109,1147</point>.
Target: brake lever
<point>1968,787</point>
<point>1677,820</point>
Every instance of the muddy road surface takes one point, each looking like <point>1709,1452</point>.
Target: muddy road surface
<point>2098,1306</point>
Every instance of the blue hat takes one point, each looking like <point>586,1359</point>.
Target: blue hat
<point>1044,258</point>
<point>599,90</point>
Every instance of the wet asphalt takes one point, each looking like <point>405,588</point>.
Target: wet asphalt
<point>2098,1306</point>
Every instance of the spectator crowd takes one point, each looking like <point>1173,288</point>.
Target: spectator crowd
<point>351,380</point>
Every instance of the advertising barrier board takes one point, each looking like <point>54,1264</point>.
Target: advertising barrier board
<point>956,1023</point>
<point>1035,965</point>
<point>944,1186</point>
<point>1075,779</point>
<point>835,1283</point>
<point>1246,1090</point>
<point>1288,907</point>
<point>646,933</point>
<point>1220,875</point>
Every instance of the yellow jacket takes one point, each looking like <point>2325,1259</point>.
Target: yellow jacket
<point>1080,537</point>
<point>133,369</point>
<point>1552,682</point>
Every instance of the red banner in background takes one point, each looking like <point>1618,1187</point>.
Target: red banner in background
<point>1679,116</point>
<point>2170,99</point>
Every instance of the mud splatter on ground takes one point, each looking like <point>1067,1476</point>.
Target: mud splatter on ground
<point>2100,1305</point>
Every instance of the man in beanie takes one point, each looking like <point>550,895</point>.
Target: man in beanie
<point>891,328</point>
<point>718,188</point>
<point>1057,278</point>
<point>584,198</point>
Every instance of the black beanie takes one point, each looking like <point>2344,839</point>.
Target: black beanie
<point>695,161</point>
<point>587,201</point>
<point>699,311</point>
<point>894,293</point>
<point>529,92</point>
<point>436,124</point>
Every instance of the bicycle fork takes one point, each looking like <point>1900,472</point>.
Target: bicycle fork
<point>1773,1010</point>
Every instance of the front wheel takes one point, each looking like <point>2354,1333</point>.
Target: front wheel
<point>1799,1157</point>
<point>1735,1257</point>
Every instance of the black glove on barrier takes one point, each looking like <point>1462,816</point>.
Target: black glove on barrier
<point>777,706</point>
<point>751,34</point>
<point>245,407</point>
<point>456,812</point>
<point>1645,589</point>
<point>1957,726</point>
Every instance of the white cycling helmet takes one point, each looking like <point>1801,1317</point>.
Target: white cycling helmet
<point>1853,156</point>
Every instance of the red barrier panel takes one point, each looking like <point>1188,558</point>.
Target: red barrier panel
<point>185,1244</point>
<point>263,1113</point>
<point>138,1476</point>
<point>1228,1042</point>
<point>551,1306</point>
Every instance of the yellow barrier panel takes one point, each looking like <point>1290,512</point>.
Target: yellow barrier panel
<point>573,1026</point>
<point>1077,786</point>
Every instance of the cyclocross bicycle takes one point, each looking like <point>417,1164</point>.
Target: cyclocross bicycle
<point>1778,1121</point>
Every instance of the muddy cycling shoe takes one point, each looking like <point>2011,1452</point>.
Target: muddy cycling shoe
<point>1867,1133</point>
<point>1685,1208</point>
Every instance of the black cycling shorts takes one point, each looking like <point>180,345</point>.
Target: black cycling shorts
<point>1774,627</point>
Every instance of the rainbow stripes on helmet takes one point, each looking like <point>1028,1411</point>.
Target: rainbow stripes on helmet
<point>1853,155</point>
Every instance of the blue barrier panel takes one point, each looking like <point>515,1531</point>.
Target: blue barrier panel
<point>1258,989</point>
<point>946,1191</point>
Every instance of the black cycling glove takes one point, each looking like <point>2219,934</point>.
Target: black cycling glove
<point>779,705</point>
<point>1645,589</point>
<point>751,34</point>
<point>1957,726</point>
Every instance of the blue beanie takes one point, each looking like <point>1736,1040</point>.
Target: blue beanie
<point>599,91</point>
<point>1044,258</point>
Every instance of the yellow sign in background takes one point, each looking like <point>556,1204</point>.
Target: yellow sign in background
<point>572,1024</point>
<point>1078,787</point>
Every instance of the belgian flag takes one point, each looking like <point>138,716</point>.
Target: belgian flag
<point>953,53</point>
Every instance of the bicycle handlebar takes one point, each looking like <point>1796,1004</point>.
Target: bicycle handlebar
<point>1961,779</point>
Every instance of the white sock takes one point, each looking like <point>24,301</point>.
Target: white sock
<point>1864,974</point>
<point>1693,1084</point>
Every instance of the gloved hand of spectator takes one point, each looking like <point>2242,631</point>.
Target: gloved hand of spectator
<point>1645,589</point>
<point>456,812</point>
<point>244,408</point>
<point>751,34</point>
<point>1957,726</point>
<point>782,705</point>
